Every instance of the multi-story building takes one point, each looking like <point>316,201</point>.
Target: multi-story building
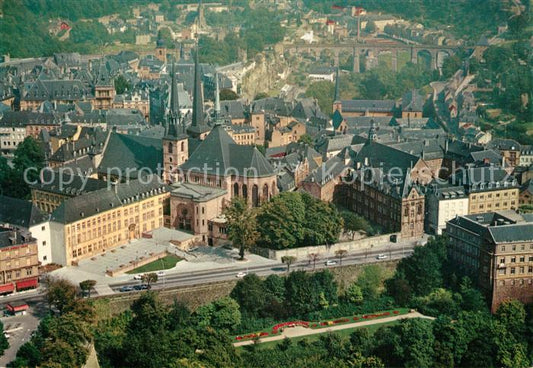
<point>137,100</point>
<point>489,188</point>
<point>526,156</point>
<point>444,202</point>
<point>495,250</point>
<point>54,91</point>
<point>242,134</point>
<point>383,187</point>
<point>283,135</point>
<point>17,125</point>
<point>27,218</point>
<point>94,222</point>
<point>104,90</point>
<point>509,149</point>
<point>55,187</point>
<point>19,263</point>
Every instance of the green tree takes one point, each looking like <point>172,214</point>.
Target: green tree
<point>122,84</point>
<point>242,224</point>
<point>512,315</point>
<point>28,161</point>
<point>288,260</point>
<point>281,221</point>
<point>251,295</point>
<point>87,285</point>
<point>354,223</point>
<point>306,139</point>
<point>228,95</point>
<point>4,344</point>
<point>324,92</point>
<point>149,278</point>
<point>370,27</point>
<point>450,66</point>
<point>354,294</point>
<point>60,293</point>
<point>223,313</point>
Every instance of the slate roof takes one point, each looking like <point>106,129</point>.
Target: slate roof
<point>272,105</point>
<point>196,192</point>
<point>43,90</point>
<point>218,153</point>
<point>380,155</point>
<point>23,118</point>
<point>501,227</point>
<point>308,109</point>
<point>370,105</point>
<point>66,184</point>
<point>504,144</point>
<point>428,149</point>
<point>124,117</point>
<point>333,143</point>
<point>131,152</point>
<point>490,156</point>
<point>484,178</point>
<point>19,212</point>
<point>328,171</point>
<point>232,109</point>
<point>90,204</point>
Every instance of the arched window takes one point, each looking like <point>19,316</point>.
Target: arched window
<point>265,192</point>
<point>255,195</point>
<point>245,192</point>
<point>419,209</point>
<point>170,147</point>
<point>236,190</point>
<point>182,146</point>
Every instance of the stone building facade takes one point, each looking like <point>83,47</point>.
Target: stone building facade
<point>495,250</point>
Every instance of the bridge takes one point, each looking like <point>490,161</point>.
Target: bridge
<point>355,49</point>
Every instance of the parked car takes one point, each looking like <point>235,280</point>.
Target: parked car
<point>381,256</point>
<point>142,287</point>
<point>241,274</point>
<point>125,289</point>
<point>138,276</point>
<point>331,263</point>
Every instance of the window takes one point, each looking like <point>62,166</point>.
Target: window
<point>522,259</point>
<point>43,228</point>
<point>513,259</point>
<point>44,243</point>
<point>513,271</point>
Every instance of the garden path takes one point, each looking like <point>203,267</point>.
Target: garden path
<point>303,331</point>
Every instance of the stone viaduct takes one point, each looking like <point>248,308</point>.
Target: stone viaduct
<point>435,53</point>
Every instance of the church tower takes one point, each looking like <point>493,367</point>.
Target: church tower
<point>198,128</point>
<point>175,141</point>
<point>372,134</point>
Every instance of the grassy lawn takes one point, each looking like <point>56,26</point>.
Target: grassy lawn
<point>342,333</point>
<point>161,264</point>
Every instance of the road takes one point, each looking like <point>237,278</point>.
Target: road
<point>229,273</point>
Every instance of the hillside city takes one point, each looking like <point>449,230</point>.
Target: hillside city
<point>266,183</point>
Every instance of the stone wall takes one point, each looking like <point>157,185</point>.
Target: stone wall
<point>326,250</point>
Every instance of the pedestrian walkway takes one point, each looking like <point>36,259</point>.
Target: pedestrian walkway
<point>303,331</point>
<point>103,289</point>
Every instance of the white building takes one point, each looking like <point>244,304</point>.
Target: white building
<point>443,203</point>
<point>10,137</point>
<point>26,217</point>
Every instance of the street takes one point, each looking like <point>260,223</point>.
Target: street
<point>230,273</point>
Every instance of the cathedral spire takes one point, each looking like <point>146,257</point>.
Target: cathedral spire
<point>217,99</point>
<point>173,118</point>
<point>198,126</point>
